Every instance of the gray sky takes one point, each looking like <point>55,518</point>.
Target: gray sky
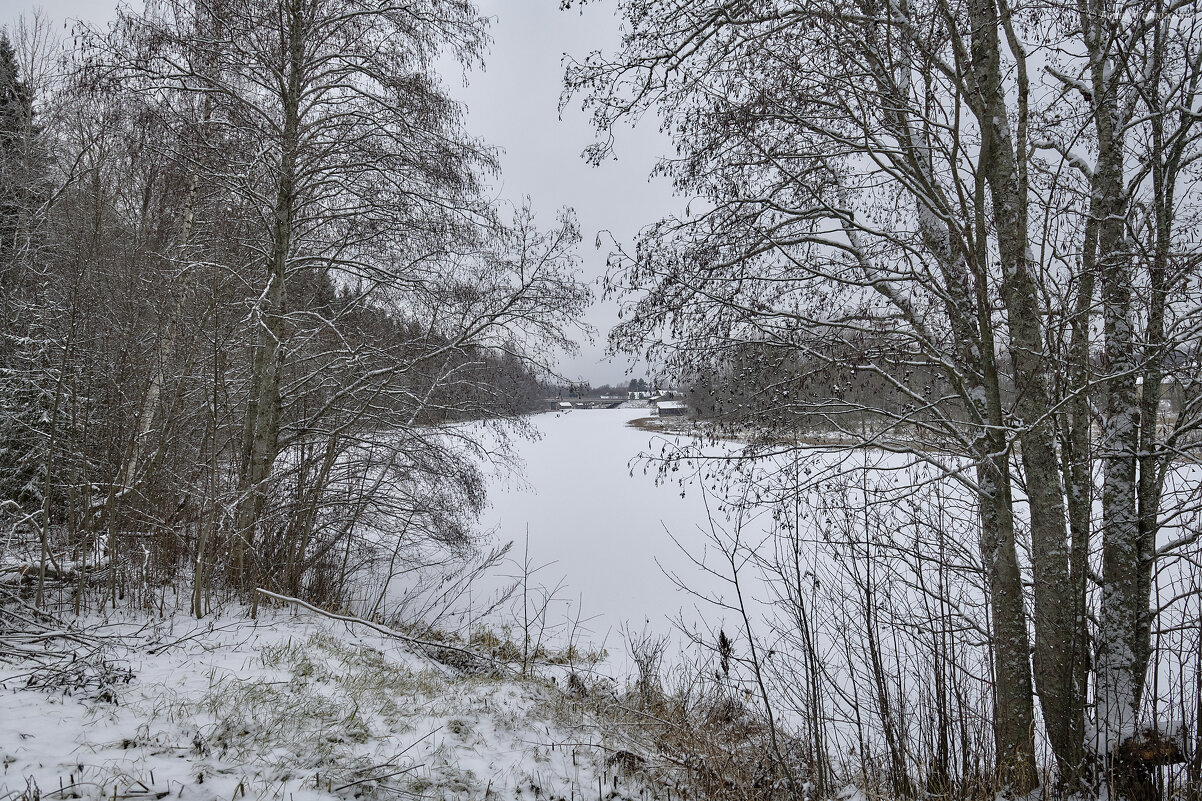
<point>513,104</point>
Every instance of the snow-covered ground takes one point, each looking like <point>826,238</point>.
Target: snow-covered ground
<point>285,707</point>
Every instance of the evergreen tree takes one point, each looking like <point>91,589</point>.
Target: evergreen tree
<point>15,112</point>
<point>24,416</point>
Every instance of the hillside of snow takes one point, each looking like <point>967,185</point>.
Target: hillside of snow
<point>288,706</point>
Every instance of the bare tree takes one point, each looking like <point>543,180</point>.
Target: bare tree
<point>866,200</point>
<point>276,301</point>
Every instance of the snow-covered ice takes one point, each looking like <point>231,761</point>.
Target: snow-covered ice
<point>596,513</point>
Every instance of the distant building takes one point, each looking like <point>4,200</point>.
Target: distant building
<point>671,408</point>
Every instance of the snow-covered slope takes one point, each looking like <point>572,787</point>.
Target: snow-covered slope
<point>289,707</point>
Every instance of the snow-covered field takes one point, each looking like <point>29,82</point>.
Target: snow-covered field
<point>298,706</point>
<point>285,707</point>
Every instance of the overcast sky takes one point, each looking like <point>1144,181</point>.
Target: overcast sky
<point>513,104</point>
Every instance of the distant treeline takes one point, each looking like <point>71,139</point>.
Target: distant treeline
<point>583,389</point>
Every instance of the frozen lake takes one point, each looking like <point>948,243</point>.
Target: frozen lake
<point>605,531</point>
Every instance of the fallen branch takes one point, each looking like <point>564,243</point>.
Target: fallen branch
<point>383,629</point>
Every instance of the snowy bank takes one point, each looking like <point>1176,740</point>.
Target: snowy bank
<point>290,706</point>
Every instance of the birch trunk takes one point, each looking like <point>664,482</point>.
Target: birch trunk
<point>1121,616</point>
<point>264,407</point>
<point>966,303</point>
